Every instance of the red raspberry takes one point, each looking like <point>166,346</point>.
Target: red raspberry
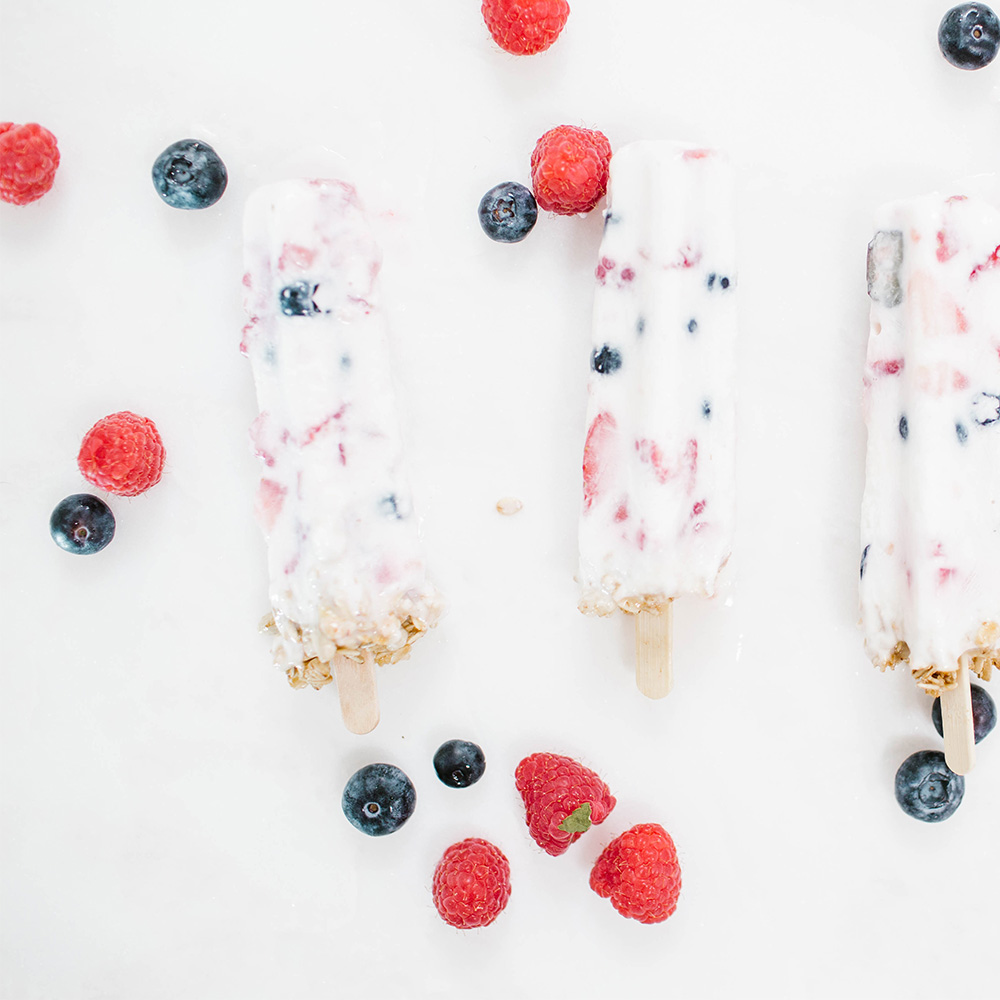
<point>471,883</point>
<point>640,874</point>
<point>122,453</point>
<point>569,169</point>
<point>28,160</point>
<point>524,27</point>
<point>561,799</point>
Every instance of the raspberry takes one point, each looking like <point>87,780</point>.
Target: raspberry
<point>28,160</point>
<point>122,453</point>
<point>471,883</point>
<point>569,169</point>
<point>524,27</point>
<point>640,874</point>
<point>561,799</point>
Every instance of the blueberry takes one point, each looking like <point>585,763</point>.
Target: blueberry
<point>459,763</point>
<point>864,560</point>
<point>969,36</point>
<point>82,524</point>
<point>984,713</point>
<point>606,360</point>
<point>378,799</point>
<point>962,433</point>
<point>904,427</point>
<point>986,408</point>
<point>692,326</point>
<point>296,299</point>
<point>189,174</point>
<point>926,788</point>
<point>706,409</point>
<point>508,212</point>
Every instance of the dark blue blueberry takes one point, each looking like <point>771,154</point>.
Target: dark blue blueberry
<point>926,788</point>
<point>379,799</point>
<point>969,36</point>
<point>692,326</point>
<point>189,174</point>
<point>962,433</point>
<point>508,212</point>
<point>904,427</point>
<point>296,299</point>
<point>389,507</point>
<point>459,763</point>
<point>724,282</point>
<point>711,280</point>
<point>640,325</point>
<point>986,408</point>
<point>82,524</point>
<point>706,409</point>
<point>984,713</point>
<point>864,561</point>
<point>606,360</point>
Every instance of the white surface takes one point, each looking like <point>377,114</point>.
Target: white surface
<point>172,823</point>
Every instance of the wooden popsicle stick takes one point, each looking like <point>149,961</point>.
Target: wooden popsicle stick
<point>654,674</point>
<point>357,692</point>
<point>956,720</point>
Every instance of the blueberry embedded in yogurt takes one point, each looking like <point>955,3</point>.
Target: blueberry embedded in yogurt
<point>508,212</point>
<point>926,788</point>
<point>606,360</point>
<point>82,524</point>
<point>986,408</point>
<point>296,299</point>
<point>189,174</point>
<point>969,36</point>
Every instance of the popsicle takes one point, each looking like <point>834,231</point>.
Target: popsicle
<point>348,584</point>
<point>659,460</point>
<point>930,517</point>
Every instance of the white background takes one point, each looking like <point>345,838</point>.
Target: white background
<point>172,824</point>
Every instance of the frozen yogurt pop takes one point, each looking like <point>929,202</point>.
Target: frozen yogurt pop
<point>658,465</point>
<point>348,586</point>
<point>930,517</point>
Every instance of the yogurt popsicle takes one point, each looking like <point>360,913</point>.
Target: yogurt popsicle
<point>348,586</point>
<point>930,518</point>
<point>658,466</point>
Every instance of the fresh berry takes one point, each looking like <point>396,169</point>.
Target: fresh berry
<point>969,36</point>
<point>189,174</point>
<point>926,788</point>
<point>82,524</point>
<point>378,799</point>
<point>561,799</point>
<point>569,169</point>
<point>471,884</point>
<point>123,454</point>
<point>640,874</point>
<point>508,212</point>
<point>524,27</point>
<point>459,763</point>
<point>28,160</point>
<point>984,713</point>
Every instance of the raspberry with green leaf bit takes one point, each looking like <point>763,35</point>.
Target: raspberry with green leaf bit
<point>562,798</point>
<point>640,874</point>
